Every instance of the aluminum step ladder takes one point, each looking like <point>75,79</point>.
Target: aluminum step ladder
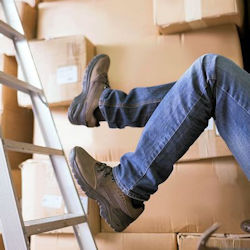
<point>15,231</point>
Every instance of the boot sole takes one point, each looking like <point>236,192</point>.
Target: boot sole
<point>111,215</point>
<point>81,98</point>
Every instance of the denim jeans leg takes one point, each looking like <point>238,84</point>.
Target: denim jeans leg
<point>212,86</point>
<point>134,109</point>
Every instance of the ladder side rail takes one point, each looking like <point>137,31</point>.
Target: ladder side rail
<point>12,226</point>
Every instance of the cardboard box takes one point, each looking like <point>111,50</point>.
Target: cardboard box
<point>107,241</point>
<point>28,16</point>
<point>42,197</point>
<point>196,195</point>
<point>134,241</point>
<point>190,241</point>
<point>146,63</point>
<point>102,21</point>
<point>54,242</point>
<point>180,15</point>
<point>16,123</point>
<point>60,63</point>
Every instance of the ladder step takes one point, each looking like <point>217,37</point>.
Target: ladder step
<point>11,33</point>
<point>52,223</point>
<point>30,148</point>
<point>15,83</point>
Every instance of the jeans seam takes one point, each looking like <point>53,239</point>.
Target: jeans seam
<point>167,143</point>
<point>233,99</point>
<point>102,103</point>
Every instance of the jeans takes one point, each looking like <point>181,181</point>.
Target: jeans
<point>174,115</point>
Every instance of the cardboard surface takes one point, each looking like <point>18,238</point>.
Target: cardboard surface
<point>190,241</point>
<point>16,122</point>
<point>150,62</point>
<point>134,241</point>
<point>107,241</point>
<point>1,243</point>
<point>196,195</point>
<point>42,197</point>
<point>60,63</point>
<point>28,17</point>
<point>17,179</point>
<point>182,15</point>
<point>54,242</point>
<point>102,21</point>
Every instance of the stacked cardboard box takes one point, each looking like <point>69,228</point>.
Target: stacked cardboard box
<point>139,57</point>
<point>190,242</point>
<point>45,200</point>
<point>181,15</point>
<point>60,63</point>
<point>108,241</point>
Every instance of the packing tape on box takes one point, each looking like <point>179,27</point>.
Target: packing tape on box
<point>193,14</point>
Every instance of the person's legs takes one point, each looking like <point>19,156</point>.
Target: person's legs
<point>212,86</point>
<point>133,109</point>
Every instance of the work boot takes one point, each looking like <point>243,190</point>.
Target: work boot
<point>96,180</point>
<point>245,226</point>
<point>81,110</point>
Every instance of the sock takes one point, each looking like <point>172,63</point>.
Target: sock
<point>98,115</point>
<point>136,203</point>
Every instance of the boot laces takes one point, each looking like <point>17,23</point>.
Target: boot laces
<point>103,77</point>
<point>102,167</point>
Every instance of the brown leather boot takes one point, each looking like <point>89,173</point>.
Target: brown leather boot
<point>81,110</point>
<point>96,180</point>
<point>245,226</point>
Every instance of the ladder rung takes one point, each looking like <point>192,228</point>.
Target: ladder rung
<point>52,223</point>
<point>11,33</point>
<point>15,83</point>
<point>30,148</point>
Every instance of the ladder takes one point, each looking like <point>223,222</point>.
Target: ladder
<point>15,231</point>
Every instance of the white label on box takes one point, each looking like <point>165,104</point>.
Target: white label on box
<point>67,74</point>
<point>52,201</point>
<point>210,124</point>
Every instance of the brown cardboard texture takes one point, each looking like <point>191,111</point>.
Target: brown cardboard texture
<point>42,197</point>
<point>28,17</point>
<point>16,122</point>
<point>148,63</point>
<point>60,63</point>
<point>8,95</point>
<point>102,21</point>
<point>17,179</point>
<point>107,241</point>
<point>196,195</point>
<point>1,243</point>
<point>220,241</point>
<point>180,15</point>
